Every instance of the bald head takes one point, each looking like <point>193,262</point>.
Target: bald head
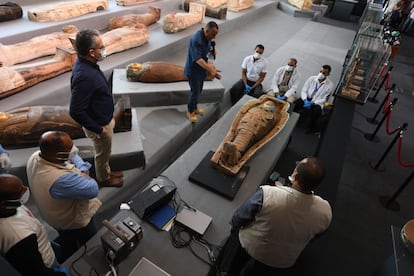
<point>55,145</point>
<point>11,187</point>
<point>11,190</point>
<point>309,173</point>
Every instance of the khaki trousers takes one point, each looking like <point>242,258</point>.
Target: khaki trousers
<point>103,147</point>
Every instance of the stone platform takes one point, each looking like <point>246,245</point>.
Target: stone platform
<point>127,152</point>
<point>162,94</point>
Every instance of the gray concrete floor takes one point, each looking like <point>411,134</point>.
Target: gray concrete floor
<point>359,238</point>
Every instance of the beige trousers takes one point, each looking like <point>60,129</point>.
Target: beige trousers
<point>103,147</point>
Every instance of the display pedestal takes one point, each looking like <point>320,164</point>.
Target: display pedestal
<point>219,182</point>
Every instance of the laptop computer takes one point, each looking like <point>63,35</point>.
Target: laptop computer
<point>194,220</point>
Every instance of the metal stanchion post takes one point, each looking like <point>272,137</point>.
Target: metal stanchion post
<point>372,136</point>
<point>377,166</point>
<point>373,120</point>
<point>373,99</point>
<point>389,202</point>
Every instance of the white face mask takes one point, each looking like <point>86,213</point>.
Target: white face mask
<point>73,152</point>
<point>321,76</point>
<point>290,178</point>
<point>13,204</point>
<point>257,55</point>
<point>25,197</point>
<point>103,55</point>
<point>289,68</point>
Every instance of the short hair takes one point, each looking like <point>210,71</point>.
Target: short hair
<point>327,67</point>
<point>310,173</point>
<point>211,25</point>
<point>85,40</point>
<point>260,46</point>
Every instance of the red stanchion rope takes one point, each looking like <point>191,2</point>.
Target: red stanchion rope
<point>387,125</point>
<point>387,81</point>
<point>399,153</point>
<point>386,104</point>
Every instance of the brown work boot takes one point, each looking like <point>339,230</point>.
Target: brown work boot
<point>111,182</point>
<point>192,117</point>
<point>199,111</point>
<point>118,174</point>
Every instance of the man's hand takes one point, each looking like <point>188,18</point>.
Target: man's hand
<point>102,134</point>
<point>5,160</point>
<point>307,104</point>
<point>247,88</point>
<point>218,75</point>
<point>283,98</point>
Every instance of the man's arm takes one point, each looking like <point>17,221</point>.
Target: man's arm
<point>260,80</point>
<point>74,186</point>
<point>26,258</point>
<point>247,212</point>
<point>323,97</point>
<point>208,67</point>
<point>305,88</point>
<point>275,81</point>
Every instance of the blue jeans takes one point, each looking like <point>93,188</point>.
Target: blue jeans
<point>196,86</point>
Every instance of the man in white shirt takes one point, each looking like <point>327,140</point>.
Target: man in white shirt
<point>254,69</point>
<point>315,93</point>
<point>285,82</point>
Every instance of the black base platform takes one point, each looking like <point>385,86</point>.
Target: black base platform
<point>211,178</point>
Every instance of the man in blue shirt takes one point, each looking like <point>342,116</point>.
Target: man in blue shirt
<point>197,65</point>
<point>65,194</point>
<point>4,160</point>
<point>91,104</point>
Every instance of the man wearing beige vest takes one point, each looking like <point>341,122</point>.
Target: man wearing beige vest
<point>63,191</point>
<point>276,223</point>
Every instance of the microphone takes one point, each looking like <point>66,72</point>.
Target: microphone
<point>213,49</point>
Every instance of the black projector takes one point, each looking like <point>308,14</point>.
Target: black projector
<point>158,193</point>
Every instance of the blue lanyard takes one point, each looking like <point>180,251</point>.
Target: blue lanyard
<point>316,89</point>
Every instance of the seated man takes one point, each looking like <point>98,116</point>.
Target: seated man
<point>275,224</point>
<point>315,93</point>
<point>64,193</point>
<point>23,240</point>
<point>4,160</point>
<point>254,69</point>
<point>285,82</point>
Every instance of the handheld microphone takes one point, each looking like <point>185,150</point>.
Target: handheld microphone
<point>213,49</point>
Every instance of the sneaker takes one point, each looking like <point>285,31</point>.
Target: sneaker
<point>111,182</point>
<point>192,117</point>
<point>199,111</point>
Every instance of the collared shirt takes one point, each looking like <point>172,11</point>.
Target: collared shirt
<point>91,104</point>
<point>254,68</point>
<point>199,48</point>
<point>73,185</point>
<point>318,92</point>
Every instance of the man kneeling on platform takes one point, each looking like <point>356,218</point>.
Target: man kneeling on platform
<point>275,224</point>
<point>63,190</point>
